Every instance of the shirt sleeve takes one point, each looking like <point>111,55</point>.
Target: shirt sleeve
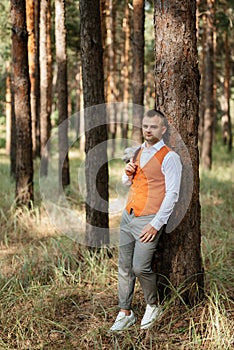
<point>172,170</point>
<point>126,180</point>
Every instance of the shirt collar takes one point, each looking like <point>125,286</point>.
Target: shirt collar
<point>157,146</point>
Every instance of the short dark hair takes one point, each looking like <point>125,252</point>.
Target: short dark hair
<point>156,112</point>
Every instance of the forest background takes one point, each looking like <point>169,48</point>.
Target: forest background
<point>56,293</point>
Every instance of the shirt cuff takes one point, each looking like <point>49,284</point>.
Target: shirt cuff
<point>127,180</point>
<point>157,224</point>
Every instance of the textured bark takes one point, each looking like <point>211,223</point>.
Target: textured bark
<point>8,107</point>
<point>202,82</point>
<point>37,76</point>
<point>45,124</point>
<point>138,67</point>
<point>226,117</point>
<point>33,57</point>
<point>96,134</point>
<point>61,59</point>
<point>111,77</point>
<point>81,119</point>
<point>49,57</point>
<point>13,133</point>
<point>103,22</point>
<point>126,28</point>
<point>178,257</point>
<point>206,152</point>
<point>24,164</point>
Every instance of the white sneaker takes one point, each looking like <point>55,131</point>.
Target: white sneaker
<point>151,313</point>
<point>123,321</point>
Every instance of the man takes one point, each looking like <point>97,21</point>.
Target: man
<point>154,176</point>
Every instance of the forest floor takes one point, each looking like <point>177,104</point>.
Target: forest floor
<point>56,294</point>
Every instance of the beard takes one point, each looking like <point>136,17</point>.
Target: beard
<point>151,139</point>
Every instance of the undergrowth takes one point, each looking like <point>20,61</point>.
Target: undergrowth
<point>57,294</point>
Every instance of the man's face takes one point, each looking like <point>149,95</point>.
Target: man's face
<point>153,129</point>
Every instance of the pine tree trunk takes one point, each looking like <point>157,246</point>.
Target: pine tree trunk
<point>61,59</point>
<point>111,81</point>
<point>226,118</point>
<point>206,153</point>
<point>32,53</point>
<point>81,119</point>
<point>8,107</point>
<point>178,257</point>
<point>13,133</point>
<point>202,83</point>
<point>96,134</point>
<point>24,164</point>
<point>45,125</point>
<point>49,57</point>
<point>37,76</point>
<point>138,67</point>
<point>126,29</point>
<point>103,9</point>
<point>215,122</point>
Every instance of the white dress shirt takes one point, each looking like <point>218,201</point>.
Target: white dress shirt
<point>172,169</point>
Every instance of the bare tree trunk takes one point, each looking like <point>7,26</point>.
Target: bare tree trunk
<point>206,153</point>
<point>215,123</point>
<point>61,59</point>
<point>138,67</point>
<point>45,124</point>
<point>226,118</point>
<point>82,122</point>
<point>49,57</point>
<point>111,79</point>
<point>178,258</point>
<point>32,53</point>
<point>103,9</point>
<point>24,163</point>
<point>95,125</point>
<point>13,133</point>
<point>8,107</point>
<point>202,83</point>
<point>126,29</point>
<point>37,76</point>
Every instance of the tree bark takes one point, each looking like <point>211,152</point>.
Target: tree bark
<point>111,79</point>
<point>138,67</point>
<point>13,132</point>
<point>61,59</point>
<point>33,58</point>
<point>8,107</point>
<point>95,125</point>
<point>178,258</point>
<point>24,164</point>
<point>226,117</point>
<point>49,57</point>
<point>45,124</point>
<point>206,153</point>
<point>126,28</point>
<point>202,83</point>
<point>37,76</point>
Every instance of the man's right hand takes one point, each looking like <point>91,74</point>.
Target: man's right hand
<point>130,168</point>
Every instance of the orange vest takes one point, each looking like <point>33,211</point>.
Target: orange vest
<point>148,185</point>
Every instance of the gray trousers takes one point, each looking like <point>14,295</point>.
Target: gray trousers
<point>135,260</point>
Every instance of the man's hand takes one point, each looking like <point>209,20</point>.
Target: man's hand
<point>148,234</point>
<point>130,168</point>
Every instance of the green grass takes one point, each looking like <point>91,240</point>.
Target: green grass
<point>56,294</point>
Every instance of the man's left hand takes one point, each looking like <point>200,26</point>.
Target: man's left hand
<point>148,234</point>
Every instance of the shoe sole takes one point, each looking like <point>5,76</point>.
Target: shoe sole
<point>123,329</point>
<point>149,325</point>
